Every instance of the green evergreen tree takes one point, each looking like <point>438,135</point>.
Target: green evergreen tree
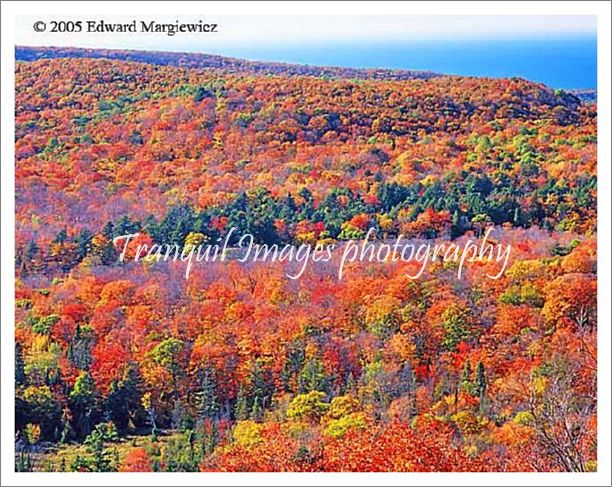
<point>20,376</point>
<point>481,384</point>
<point>116,406</point>
<point>83,401</point>
<point>101,459</point>
<point>466,375</point>
<point>181,419</point>
<point>131,386</point>
<point>312,377</point>
<point>206,398</point>
<point>259,388</point>
<point>256,410</point>
<point>61,236</point>
<point>241,409</point>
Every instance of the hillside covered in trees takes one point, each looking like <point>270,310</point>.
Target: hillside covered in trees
<point>131,367</point>
<point>210,61</point>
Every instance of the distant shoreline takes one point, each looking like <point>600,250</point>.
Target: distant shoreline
<point>559,64</point>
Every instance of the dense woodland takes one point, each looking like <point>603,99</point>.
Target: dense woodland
<point>131,367</point>
<point>211,61</point>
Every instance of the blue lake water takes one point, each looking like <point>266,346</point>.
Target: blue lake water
<point>567,63</point>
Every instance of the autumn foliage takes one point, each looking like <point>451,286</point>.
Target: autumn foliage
<point>239,368</point>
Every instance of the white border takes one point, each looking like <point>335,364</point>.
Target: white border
<point>11,9</point>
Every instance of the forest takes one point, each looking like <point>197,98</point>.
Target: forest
<point>131,367</point>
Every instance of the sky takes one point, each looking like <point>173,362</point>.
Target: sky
<point>235,31</point>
